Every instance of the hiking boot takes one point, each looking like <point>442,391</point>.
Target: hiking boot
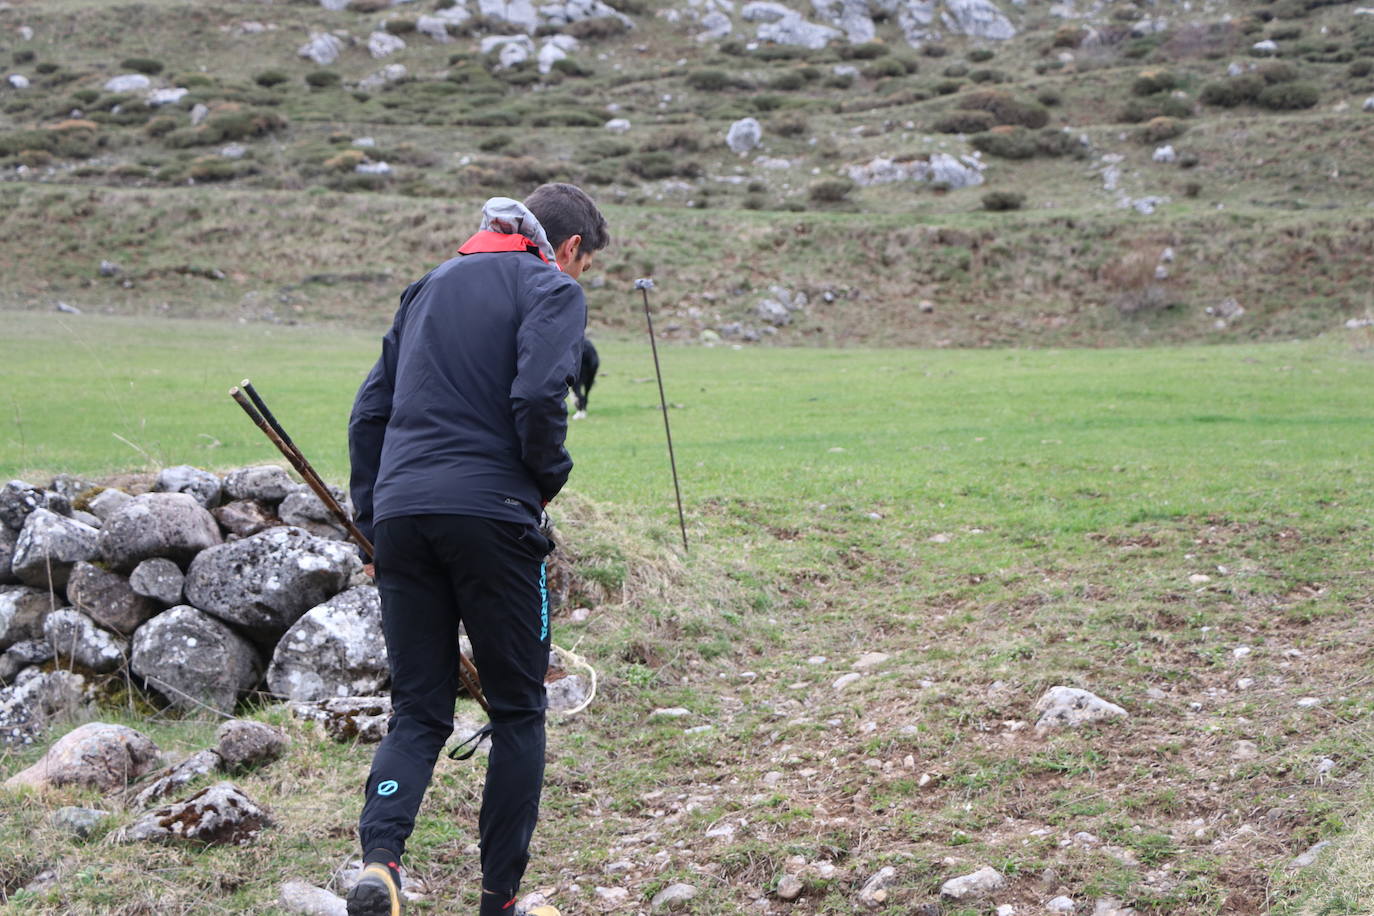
<point>377,893</point>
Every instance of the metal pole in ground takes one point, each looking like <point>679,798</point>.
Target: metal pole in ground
<point>644,285</point>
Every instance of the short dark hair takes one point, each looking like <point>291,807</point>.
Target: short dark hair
<point>565,210</point>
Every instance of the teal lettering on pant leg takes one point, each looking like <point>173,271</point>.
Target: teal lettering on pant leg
<point>543,603</point>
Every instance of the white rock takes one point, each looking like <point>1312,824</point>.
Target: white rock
<point>1070,706</point>
<point>1267,46</point>
<point>871,660</point>
<point>233,151</point>
<point>128,82</point>
<point>18,81</point>
<point>744,135</point>
<point>159,97</point>
<point>1368,104</point>
<point>672,896</point>
<point>875,890</point>
<point>789,887</point>
<point>1060,904</point>
<point>618,125</point>
<point>511,50</point>
<point>846,679</point>
<point>1309,857</point>
<point>1164,154</point>
<point>308,900</point>
<point>612,895</point>
<point>198,114</point>
<point>382,44</point>
<point>984,881</point>
<point>670,712</point>
<point>977,19</point>
<point>322,48</point>
<point>373,168</point>
<point>556,48</point>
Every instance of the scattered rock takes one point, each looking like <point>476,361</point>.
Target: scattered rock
<point>308,900</point>
<point>1265,48</point>
<point>977,19</point>
<point>672,896</point>
<point>202,485</point>
<point>193,659</point>
<point>1061,904</point>
<point>335,650</point>
<point>744,135</point>
<point>176,777</point>
<point>159,579</point>
<point>80,822</point>
<point>246,517</point>
<point>510,50</point>
<point>1164,154</point>
<point>169,525</point>
<point>845,680</point>
<point>554,49</point>
<point>363,719</point>
<point>383,44</point>
<point>938,168</point>
<point>49,545</point>
<point>18,81</point>
<point>97,755</point>
<point>322,48</point>
<point>35,700</point>
<point>566,693</point>
<point>22,610</point>
<point>975,886</point>
<point>790,887</point>
<point>75,636</point>
<point>1071,707</point>
<point>243,744</point>
<point>110,599</point>
<point>871,660</point>
<point>18,500</point>
<point>874,893</point>
<point>264,583</point>
<point>219,815</point>
<point>1309,857</point>
<point>618,125</point>
<point>128,82</point>
<point>159,97</point>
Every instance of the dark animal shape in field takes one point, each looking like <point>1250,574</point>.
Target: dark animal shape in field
<point>586,375</point>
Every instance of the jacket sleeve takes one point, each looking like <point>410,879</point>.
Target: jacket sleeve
<point>548,350</point>
<point>367,423</point>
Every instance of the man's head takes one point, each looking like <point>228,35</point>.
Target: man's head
<point>575,228</point>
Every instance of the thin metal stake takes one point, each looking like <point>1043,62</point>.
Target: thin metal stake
<point>644,285</point>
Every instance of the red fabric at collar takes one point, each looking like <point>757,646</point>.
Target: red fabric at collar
<point>484,242</point>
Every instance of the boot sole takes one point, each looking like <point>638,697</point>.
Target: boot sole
<point>369,899</point>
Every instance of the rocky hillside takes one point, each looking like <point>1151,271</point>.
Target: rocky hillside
<point>1058,172</point>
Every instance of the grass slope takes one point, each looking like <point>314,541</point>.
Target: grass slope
<point>995,522</point>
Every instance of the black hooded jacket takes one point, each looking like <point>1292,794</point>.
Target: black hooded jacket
<point>464,412</point>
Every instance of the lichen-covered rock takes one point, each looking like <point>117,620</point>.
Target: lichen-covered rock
<point>304,509</point>
<point>363,719</point>
<point>977,19</point>
<point>335,650</point>
<point>18,499</point>
<point>266,582</point>
<point>193,659</point>
<point>159,579</point>
<point>35,700</point>
<point>22,610</point>
<point>75,636</point>
<point>174,778</point>
<point>97,754</point>
<point>243,744</point>
<point>744,135</point>
<point>49,545</point>
<point>974,886</point>
<point>79,822</point>
<point>108,598</point>
<point>322,48</point>
<point>246,517</point>
<point>204,486</point>
<point>219,815</point>
<point>169,525</point>
<point>268,483</point>
<point>23,655</point>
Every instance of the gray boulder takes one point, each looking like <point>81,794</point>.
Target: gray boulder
<point>35,700</point>
<point>246,517</point>
<point>874,894</point>
<point>974,886</point>
<point>49,546</point>
<point>308,900</point>
<point>266,582</point>
<point>266,482</point>
<point>98,755</point>
<point>519,13</point>
<point>362,719</point>
<point>184,478</point>
<point>8,537</point>
<point>70,487</point>
<point>850,16</point>
<point>158,579</point>
<point>127,82</point>
<point>785,26</point>
<point>567,693</point>
<point>384,44</point>
<point>23,655</point>
<point>744,135</point>
<point>22,610</point>
<point>335,650</point>
<point>219,815</point>
<point>75,636</point>
<point>108,598</point>
<point>169,525</point>
<point>104,503</point>
<point>194,660</point>
<point>86,518</point>
<point>304,509</point>
<point>174,778</point>
<point>244,744</point>
<point>322,48</point>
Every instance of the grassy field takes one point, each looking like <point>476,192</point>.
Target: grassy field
<point>995,522</point>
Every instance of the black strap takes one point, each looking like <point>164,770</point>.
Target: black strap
<point>474,739</point>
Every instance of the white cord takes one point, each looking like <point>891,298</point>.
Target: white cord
<point>575,659</point>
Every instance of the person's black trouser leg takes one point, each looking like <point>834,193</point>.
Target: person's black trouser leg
<point>432,570</point>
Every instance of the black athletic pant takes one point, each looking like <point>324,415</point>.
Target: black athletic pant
<point>432,571</point>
